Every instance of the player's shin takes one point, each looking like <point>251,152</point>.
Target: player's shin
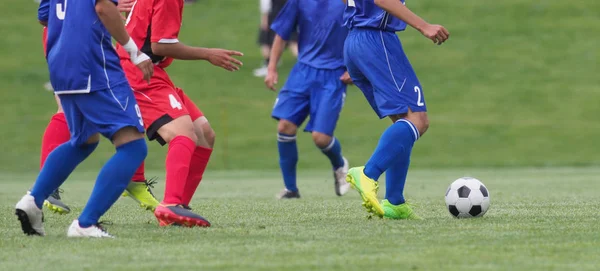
<point>395,178</point>
<point>198,165</point>
<point>393,146</point>
<point>179,157</point>
<point>112,180</point>
<point>58,166</point>
<point>288,158</point>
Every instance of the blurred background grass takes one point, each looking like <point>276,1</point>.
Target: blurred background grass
<point>516,85</point>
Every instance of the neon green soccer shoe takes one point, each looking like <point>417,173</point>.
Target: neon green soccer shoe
<point>367,188</point>
<point>402,211</point>
<point>142,193</point>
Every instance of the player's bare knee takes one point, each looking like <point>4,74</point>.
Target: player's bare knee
<point>321,140</point>
<point>126,135</point>
<point>209,136</point>
<point>182,126</point>
<point>93,139</point>
<point>208,132</point>
<point>420,120</point>
<point>287,127</point>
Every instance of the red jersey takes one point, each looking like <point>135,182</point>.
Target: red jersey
<point>153,21</point>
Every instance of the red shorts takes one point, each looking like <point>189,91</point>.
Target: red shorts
<point>160,102</point>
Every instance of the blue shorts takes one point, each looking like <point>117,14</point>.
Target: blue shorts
<point>103,111</point>
<point>310,91</point>
<point>378,66</point>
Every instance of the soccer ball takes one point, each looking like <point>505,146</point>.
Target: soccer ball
<point>467,197</point>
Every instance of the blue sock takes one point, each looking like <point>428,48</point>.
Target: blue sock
<point>333,151</point>
<point>59,165</point>
<point>288,158</point>
<point>395,178</point>
<point>394,145</point>
<point>112,180</point>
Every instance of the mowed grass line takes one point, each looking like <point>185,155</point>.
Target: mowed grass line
<point>540,219</point>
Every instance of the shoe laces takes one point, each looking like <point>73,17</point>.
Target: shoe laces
<point>100,225</point>
<point>150,184</point>
<point>56,193</point>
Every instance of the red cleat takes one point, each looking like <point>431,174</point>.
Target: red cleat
<point>178,215</point>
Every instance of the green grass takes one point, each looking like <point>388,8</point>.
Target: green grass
<point>540,219</point>
<point>516,85</point>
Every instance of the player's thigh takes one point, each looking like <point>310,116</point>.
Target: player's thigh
<point>112,110</point>
<point>57,99</point>
<point>383,63</point>
<point>79,128</point>
<point>293,100</point>
<point>326,101</point>
<point>202,128</point>
<point>164,113</point>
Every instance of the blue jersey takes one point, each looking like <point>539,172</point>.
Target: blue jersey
<point>80,54</point>
<point>365,14</point>
<point>321,35</point>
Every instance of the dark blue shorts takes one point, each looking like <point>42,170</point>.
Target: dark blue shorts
<point>378,66</point>
<point>104,111</point>
<point>315,92</point>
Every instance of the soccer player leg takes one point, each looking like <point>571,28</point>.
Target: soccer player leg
<point>291,109</point>
<point>203,150</point>
<point>58,165</point>
<point>169,122</point>
<point>397,95</point>
<point>56,133</point>
<point>115,114</point>
<point>326,102</point>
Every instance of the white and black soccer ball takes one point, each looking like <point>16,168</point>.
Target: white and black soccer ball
<point>467,197</point>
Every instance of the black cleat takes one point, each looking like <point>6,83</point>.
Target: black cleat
<point>287,194</point>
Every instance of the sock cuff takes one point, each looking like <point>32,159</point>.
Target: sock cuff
<point>185,141</point>
<point>413,128</point>
<point>331,144</point>
<point>202,152</point>
<point>286,138</point>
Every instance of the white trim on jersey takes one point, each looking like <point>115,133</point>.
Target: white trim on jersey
<point>77,91</point>
<point>168,41</point>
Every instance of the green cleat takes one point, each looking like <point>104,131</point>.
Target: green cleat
<point>402,211</point>
<point>367,188</point>
<point>141,192</point>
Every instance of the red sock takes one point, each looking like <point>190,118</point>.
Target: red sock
<point>139,176</point>
<point>197,167</point>
<point>179,156</point>
<point>57,133</point>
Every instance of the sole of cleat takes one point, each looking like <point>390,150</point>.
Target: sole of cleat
<point>167,219</point>
<point>25,223</point>
<point>366,202</point>
<point>55,209</point>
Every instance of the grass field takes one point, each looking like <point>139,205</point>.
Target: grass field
<point>513,100</point>
<point>539,220</point>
